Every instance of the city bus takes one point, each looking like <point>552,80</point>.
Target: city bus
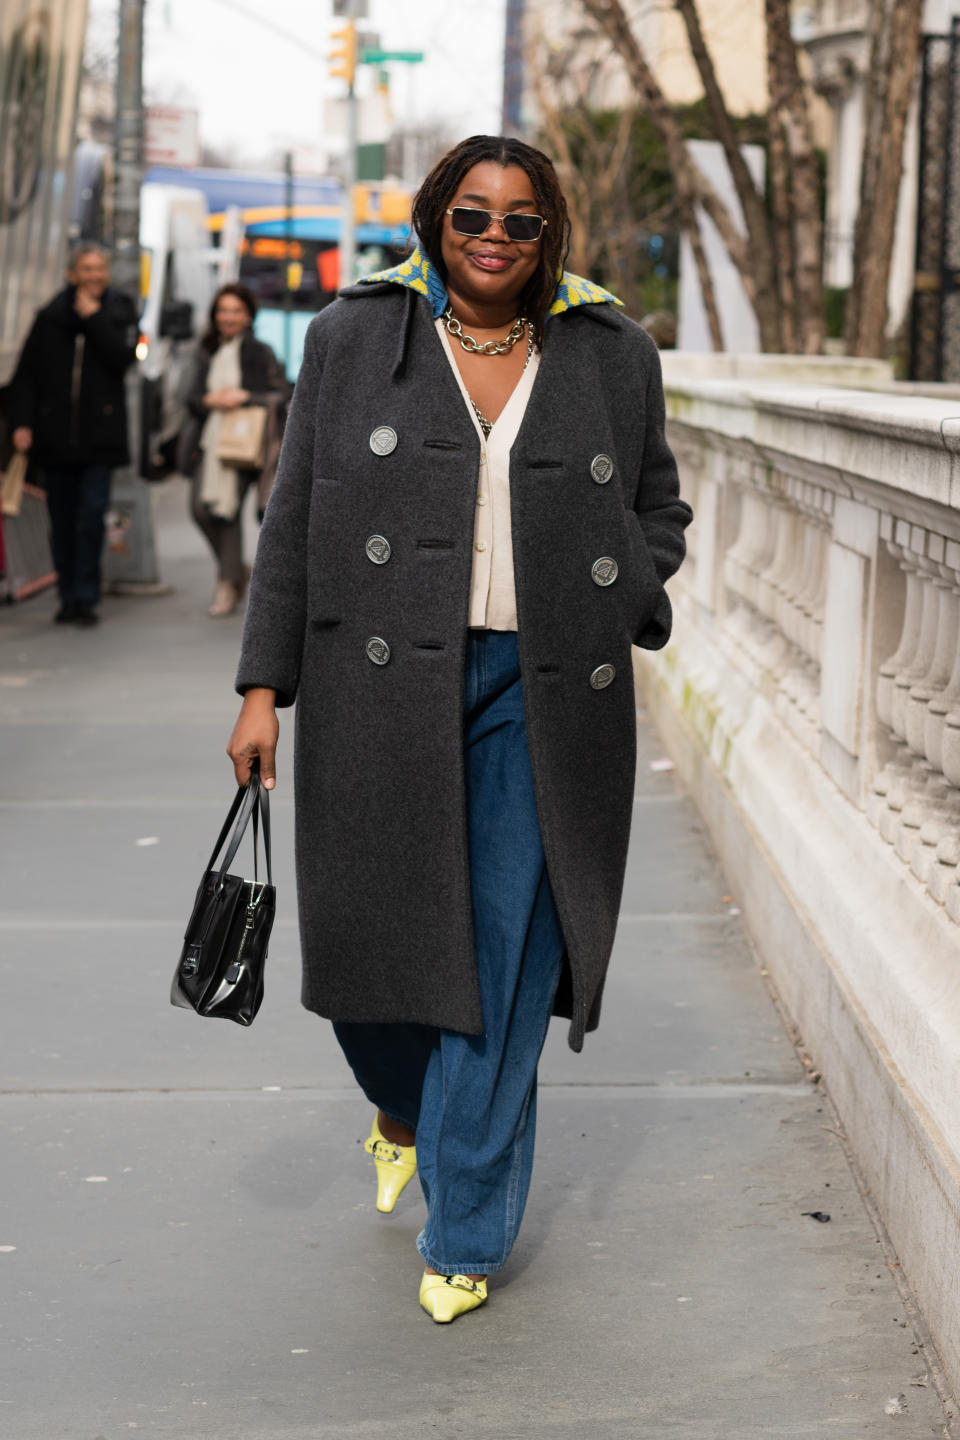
<point>290,254</point>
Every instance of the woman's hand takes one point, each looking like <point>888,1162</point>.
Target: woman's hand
<point>255,734</point>
<point>229,399</point>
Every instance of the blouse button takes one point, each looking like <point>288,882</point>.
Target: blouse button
<point>481,499</point>
<point>481,545</point>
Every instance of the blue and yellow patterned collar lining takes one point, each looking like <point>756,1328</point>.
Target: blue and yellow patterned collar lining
<point>416,273</point>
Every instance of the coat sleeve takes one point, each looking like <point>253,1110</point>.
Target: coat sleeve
<point>112,333</point>
<point>197,386</point>
<point>22,401</point>
<point>661,515</point>
<point>276,619</point>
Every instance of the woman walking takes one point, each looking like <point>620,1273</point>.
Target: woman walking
<point>474,518</point>
<point>232,370</point>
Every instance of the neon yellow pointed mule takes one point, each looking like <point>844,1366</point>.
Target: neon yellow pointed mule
<point>396,1166</point>
<point>444,1297</point>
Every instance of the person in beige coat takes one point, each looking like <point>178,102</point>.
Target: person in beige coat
<point>232,369</point>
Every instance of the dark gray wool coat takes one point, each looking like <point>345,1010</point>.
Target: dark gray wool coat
<point>382,864</point>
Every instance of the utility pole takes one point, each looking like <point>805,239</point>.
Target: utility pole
<point>513,67</point>
<point>344,56</point>
<point>130,564</point>
<point>128,150</point>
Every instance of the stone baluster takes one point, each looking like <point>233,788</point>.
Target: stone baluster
<point>818,598</point>
<point>909,636</point>
<point>784,547</point>
<point>741,554</point>
<point>916,668</point>
<point>897,782</point>
<point>924,735</point>
<point>947,701</point>
<point>748,558</point>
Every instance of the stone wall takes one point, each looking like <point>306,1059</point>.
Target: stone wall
<point>811,698</point>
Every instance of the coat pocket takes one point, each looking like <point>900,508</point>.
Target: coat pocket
<point>646,606</point>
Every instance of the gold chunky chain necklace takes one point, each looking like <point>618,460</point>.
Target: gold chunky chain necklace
<point>487,425</point>
<point>490,347</point>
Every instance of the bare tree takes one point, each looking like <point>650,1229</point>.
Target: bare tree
<point>895,29</point>
<point>797,215</point>
<point>593,160</point>
<point>778,259</point>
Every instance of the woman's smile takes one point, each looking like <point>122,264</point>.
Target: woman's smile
<point>491,260</point>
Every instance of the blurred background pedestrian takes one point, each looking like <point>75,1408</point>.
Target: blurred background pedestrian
<point>68,409</point>
<point>234,371</point>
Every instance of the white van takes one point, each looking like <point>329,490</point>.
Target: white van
<point>181,271</point>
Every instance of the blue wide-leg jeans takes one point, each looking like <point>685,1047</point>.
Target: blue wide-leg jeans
<point>472,1098</point>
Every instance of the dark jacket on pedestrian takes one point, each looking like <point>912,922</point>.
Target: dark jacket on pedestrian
<point>382,863</point>
<point>69,384</point>
<point>262,374</point>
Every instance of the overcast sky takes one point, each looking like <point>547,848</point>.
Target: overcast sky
<point>257,90</point>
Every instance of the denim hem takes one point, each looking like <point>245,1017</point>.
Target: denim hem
<point>469,1267</point>
<point>398,1120</point>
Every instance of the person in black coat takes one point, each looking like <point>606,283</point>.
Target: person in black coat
<point>475,515</point>
<point>233,369</point>
<point>68,407</point>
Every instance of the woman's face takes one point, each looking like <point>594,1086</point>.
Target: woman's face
<point>490,268</point>
<point>231,316</point>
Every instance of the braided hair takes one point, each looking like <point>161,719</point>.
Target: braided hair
<point>442,183</point>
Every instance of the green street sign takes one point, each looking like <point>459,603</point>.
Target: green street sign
<point>377,57</point>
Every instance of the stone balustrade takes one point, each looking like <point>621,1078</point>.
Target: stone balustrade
<point>811,698</point>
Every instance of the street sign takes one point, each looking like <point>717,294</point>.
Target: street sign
<point>172,136</point>
<point>377,57</point>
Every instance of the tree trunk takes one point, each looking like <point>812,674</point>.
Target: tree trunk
<point>789,109</point>
<point>874,102</point>
<point>783,237</point>
<point>691,225</point>
<point>867,335</point>
<point>692,185</point>
<point>751,200</point>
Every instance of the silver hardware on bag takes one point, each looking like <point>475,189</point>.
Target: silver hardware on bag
<point>383,441</point>
<point>601,468</point>
<point>233,974</point>
<point>604,571</point>
<point>378,650</point>
<point>602,677</point>
<point>378,549</point>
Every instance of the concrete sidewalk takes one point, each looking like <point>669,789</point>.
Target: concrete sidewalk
<point>188,1240</point>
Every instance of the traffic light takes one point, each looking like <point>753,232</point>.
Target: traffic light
<point>344,53</point>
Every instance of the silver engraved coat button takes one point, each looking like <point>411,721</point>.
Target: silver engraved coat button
<point>601,468</point>
<point>378,549</point>
<point>604,571</point>
<point>378,650</point>
<point>602,677</point>
<point>383,441</point>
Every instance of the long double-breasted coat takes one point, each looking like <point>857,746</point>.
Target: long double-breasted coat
<point>379,447</point>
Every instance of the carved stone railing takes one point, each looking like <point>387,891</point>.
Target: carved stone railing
<point>811,699</point>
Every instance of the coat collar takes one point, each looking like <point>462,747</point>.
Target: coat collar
<point>417,273</point>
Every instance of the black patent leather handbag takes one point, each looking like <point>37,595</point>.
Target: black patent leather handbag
<point>220,970</point>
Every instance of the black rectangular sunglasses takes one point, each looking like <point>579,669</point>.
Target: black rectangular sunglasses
<point>467,220</point>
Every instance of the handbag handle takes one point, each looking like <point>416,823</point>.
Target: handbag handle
<point>250,801</point>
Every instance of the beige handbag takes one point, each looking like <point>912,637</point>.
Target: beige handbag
<point>242,437</point>
<point>12,486</point>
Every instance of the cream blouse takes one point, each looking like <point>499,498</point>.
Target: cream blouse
<point>493,600</point>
